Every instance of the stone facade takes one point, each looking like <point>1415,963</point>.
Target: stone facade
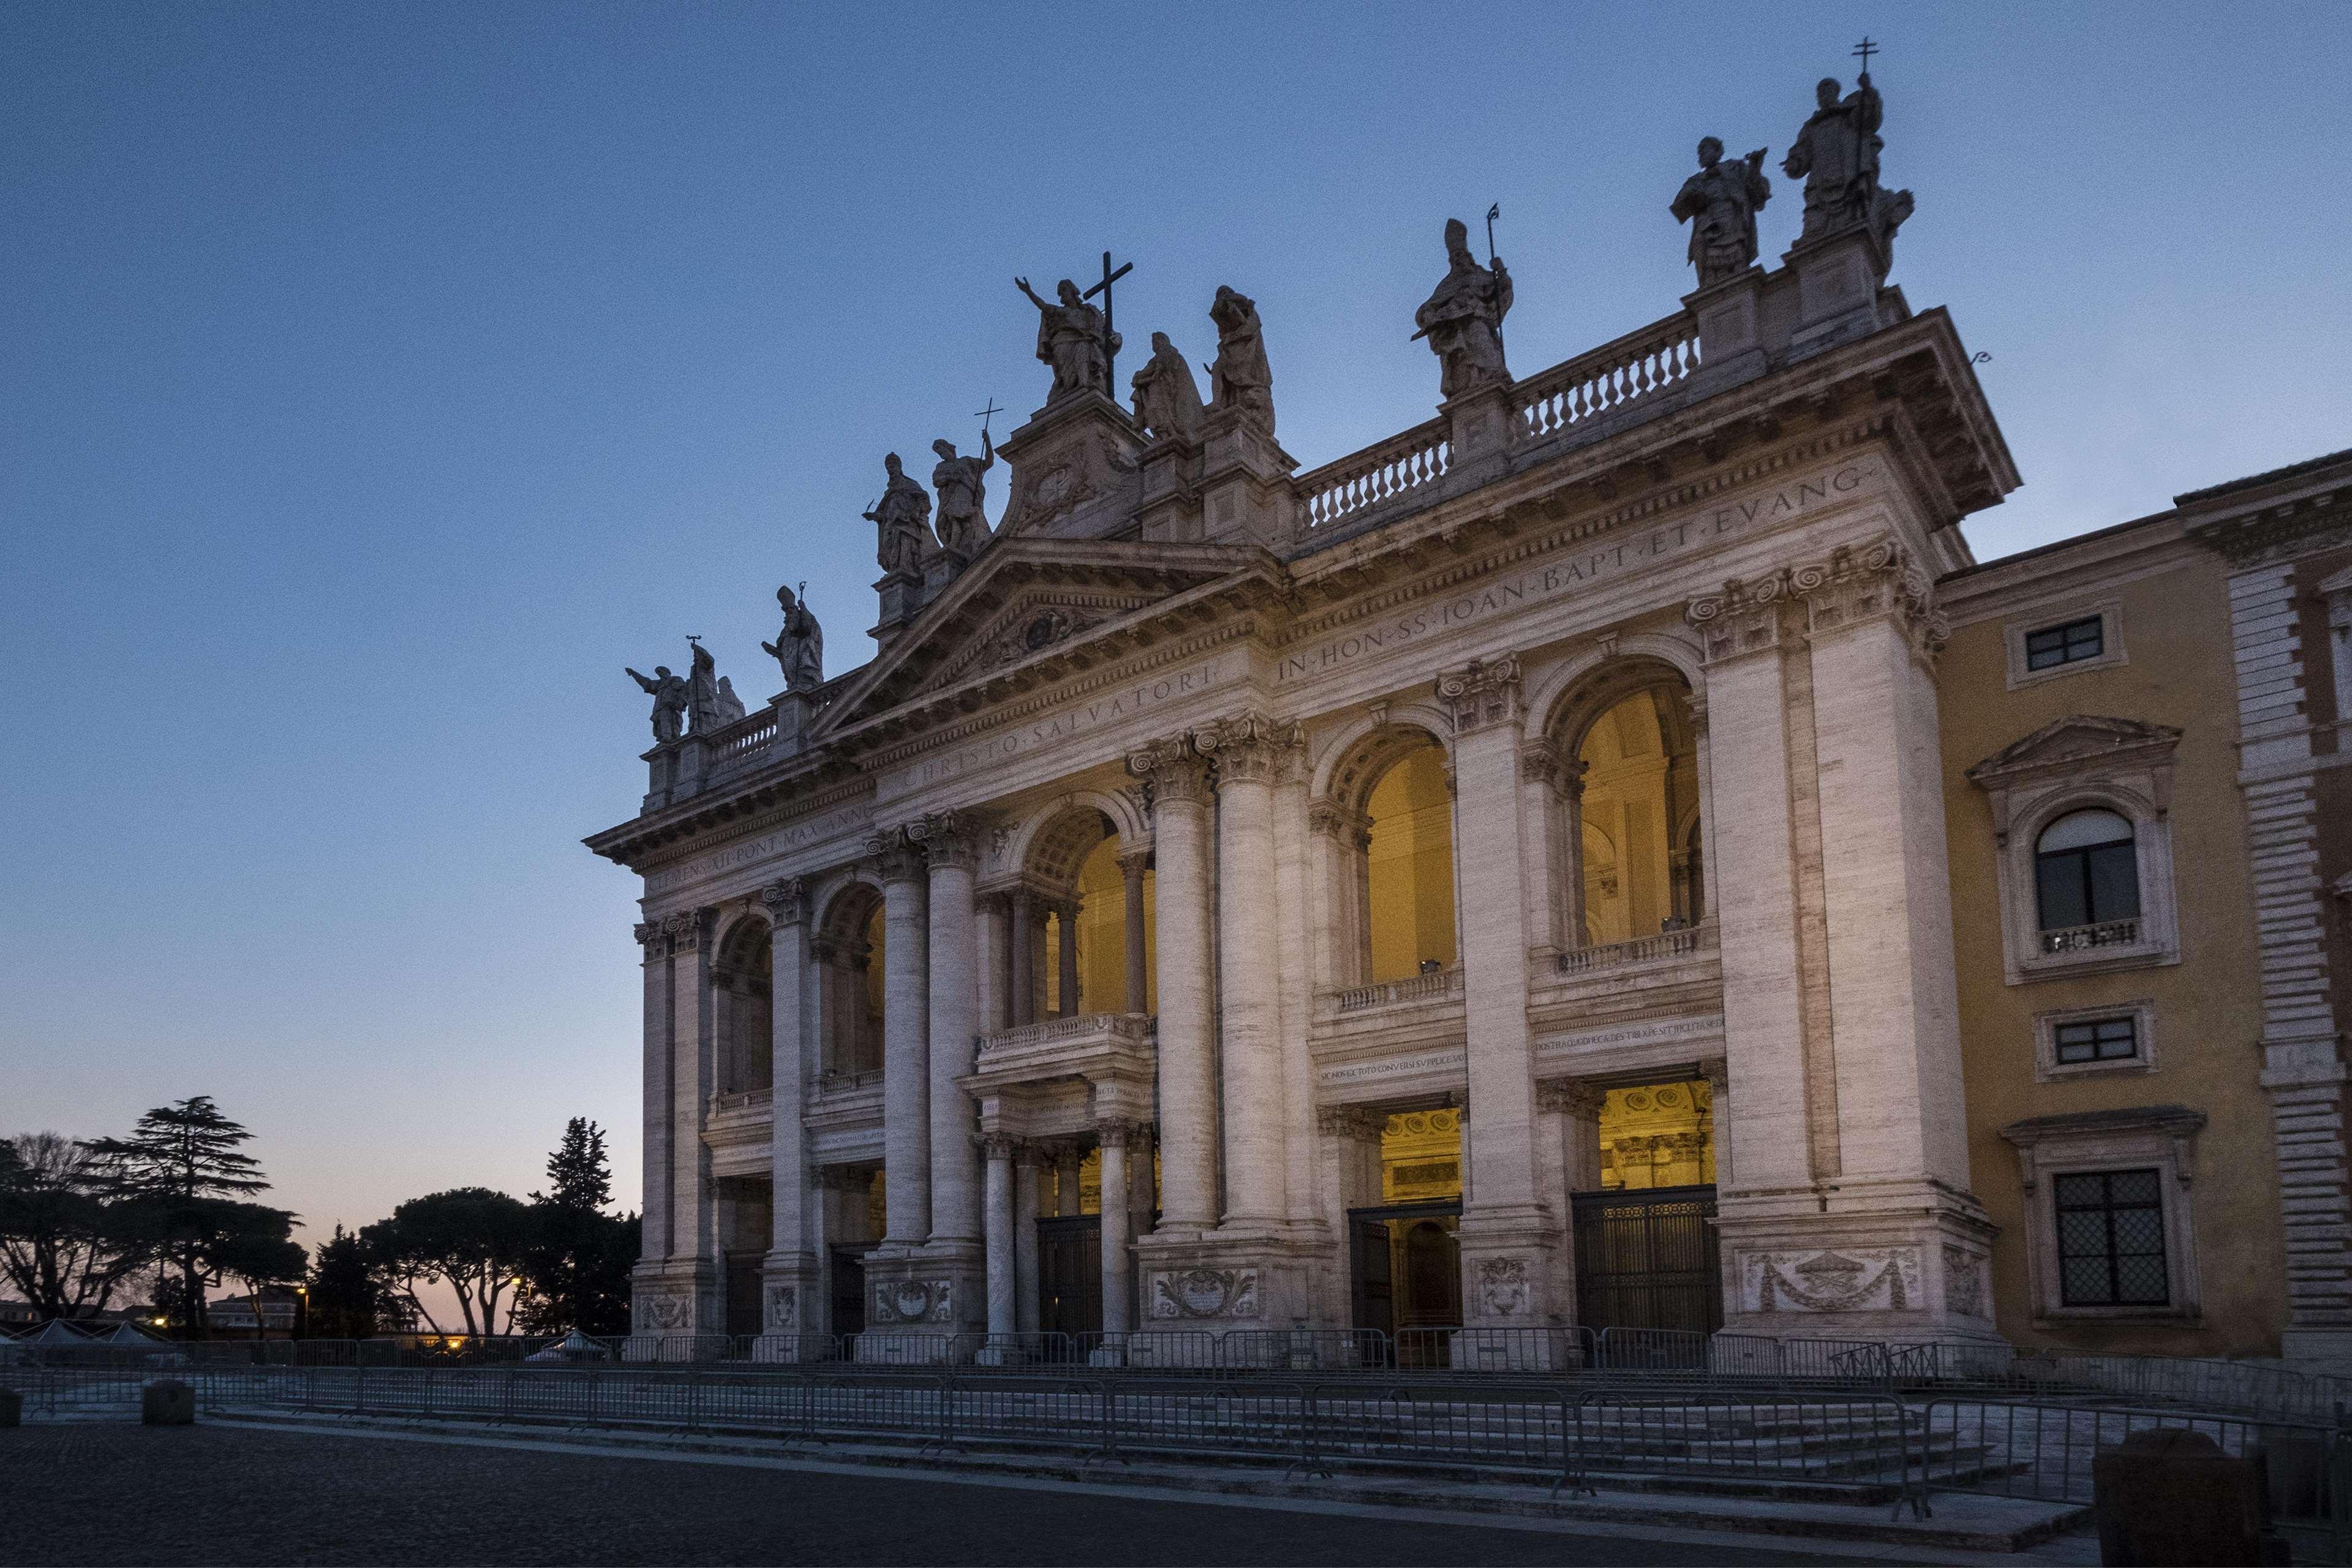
<point>1096,847</point>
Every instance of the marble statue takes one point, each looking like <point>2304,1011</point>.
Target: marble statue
<point>729,706</point>
<point>800,647</point>
<point>1240,378</point>
<point>1836,154</point>
<point>1070,339</point>
<point>1167,398</point>
<point>902,520</point>
<point>1719,203</point>
<point>705,711</point>
<point>669,693</point>
<point>963,496</point>
<point>1462,319</point>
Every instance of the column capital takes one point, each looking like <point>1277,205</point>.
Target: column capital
<point>1482,694</point>
<point>1744,619</point>
<point>1133,863</point>
<point>1539,762</point>
<point>946,838</point>
<point>682,932</point>
<point>1173,768</point>
<point>835,1178</point>
<point>998,1145</point>
<point>1249,747</point>
<point>1571,1096</point>
<point>787,902</point>
<point>895,856</point>
<point>1717,1071</point>
<point>1112,1133</point>
<point>1861,583</point>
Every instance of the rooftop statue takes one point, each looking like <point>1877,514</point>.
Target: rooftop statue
<point>902,520</point>
<point>1070,338</point>
<point>800,647</point>
<point>1167,398</point>
<point>1240,378</point>
<point>1837,155</point>
<point>669,693</point>
<point>1464,319</point>
<point>704,709</point>
<point>729,707</point>
<point>963,496</point>
<point>1719,203</point>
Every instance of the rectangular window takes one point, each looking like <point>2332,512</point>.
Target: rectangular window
<point>2097,1041</point>
<point>2111,1239</point>
<point>2054,646</point>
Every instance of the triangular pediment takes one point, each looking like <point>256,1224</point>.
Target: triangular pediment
<point>1031,604</point>
<point>2074,740</point>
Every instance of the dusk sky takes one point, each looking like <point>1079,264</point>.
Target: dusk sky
<point>381,380</point>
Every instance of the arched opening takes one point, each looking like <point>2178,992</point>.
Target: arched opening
<point>1079,931</point>
<point>743,998</point>
<point>2087,870</point>
<point>1632,826</point>
<point>1409,868</point>
<point>848,954</point>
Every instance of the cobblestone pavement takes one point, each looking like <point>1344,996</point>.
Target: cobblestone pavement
<point>87,1492</point>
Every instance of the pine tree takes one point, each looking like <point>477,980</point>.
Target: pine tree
<point>182,1165</point>
<point>345,1301</point>
<point>579,1175</point>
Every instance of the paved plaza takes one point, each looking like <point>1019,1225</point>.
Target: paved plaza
<point>88,1492</point>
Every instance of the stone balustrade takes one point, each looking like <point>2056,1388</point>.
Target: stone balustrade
<point>1641,949</point>
<point>1133,1028</point>
<point>1387,992</point>
<point>744,1100</point>
<point>1638,365</point>
<point>1340,489</point>
<point>2082,938</point>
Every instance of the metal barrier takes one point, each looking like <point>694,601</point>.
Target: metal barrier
<point>2045,1452</point>
<point>1305,1349</point>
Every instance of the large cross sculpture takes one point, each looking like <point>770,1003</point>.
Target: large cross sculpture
<point>1110,349</point>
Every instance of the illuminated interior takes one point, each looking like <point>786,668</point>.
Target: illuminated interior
<point>1409,870</point>
<point>1658,1135</point>
<point>1641,823</point>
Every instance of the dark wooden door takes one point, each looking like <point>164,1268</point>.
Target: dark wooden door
<point>1069,1274</point>
<point>848,1291</point>
<point>743,1292</point>
<point>1375,1289</point>
<point>1647,1259</point>
<point>1433,1276</point>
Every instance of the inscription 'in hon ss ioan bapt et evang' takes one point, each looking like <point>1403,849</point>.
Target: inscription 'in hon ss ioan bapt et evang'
<point>1571,570</point>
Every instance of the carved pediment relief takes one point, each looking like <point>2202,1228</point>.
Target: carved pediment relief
<point>2078,742</point>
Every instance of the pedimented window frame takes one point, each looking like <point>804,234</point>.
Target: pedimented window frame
<point>2158,1137</point>
<point>2077,763</point>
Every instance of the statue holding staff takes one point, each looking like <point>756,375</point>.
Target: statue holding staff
<point>1462,319</point>
<point>902,520</point>
<point>963,495</point>
<point>799,648</point>
<point>1071,338</point>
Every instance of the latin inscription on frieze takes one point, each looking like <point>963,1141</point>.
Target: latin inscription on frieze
<point>765,847</point>
<point>1067,722</point>
<point>1569,573</point>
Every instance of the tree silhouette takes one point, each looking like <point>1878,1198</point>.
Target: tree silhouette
<point>180,1171</point>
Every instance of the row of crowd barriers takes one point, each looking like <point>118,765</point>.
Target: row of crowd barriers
<point>1656,1357</point>
<point>1578,1436</point>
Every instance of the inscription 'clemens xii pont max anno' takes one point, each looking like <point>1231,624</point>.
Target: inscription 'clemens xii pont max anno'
<point>1571,570</point>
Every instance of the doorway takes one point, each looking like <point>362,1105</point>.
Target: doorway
<point>1647,1259</point>
<point>1407,1265</point>
<point>848,1296</point>
<point>1069,1273</point>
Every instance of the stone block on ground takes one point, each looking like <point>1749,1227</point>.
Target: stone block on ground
<point>167,1402</point>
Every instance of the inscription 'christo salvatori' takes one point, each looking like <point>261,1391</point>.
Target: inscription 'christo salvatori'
<point>1567,572</point>
<point>1066,724</point>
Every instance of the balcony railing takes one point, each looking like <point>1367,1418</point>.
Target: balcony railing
<point>834,1081</point>
<point>1136,1028</point>
<point>1403,462</point>
<point>1387,992</point>
<point>2082,938</point>
<point>1638,364</point>
<point>742,1100</point>
<point>1641,949</point>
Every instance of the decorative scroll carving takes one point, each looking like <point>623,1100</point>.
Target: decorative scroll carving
<point>1857,582</point>
<point>664,1314</point>
<point>1964,1281</point>
<point>1483,693</point>
<point>1829,1280</point>
<point>1173,769</point>
<point>946,838</point>
<point>1503,1286</point>
<point>1205,1293</point>
<point>896,857</point>
<point>782,1310</point>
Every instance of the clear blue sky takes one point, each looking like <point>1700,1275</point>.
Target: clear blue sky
<point>380,380</point>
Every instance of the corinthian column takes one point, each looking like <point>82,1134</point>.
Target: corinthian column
<point>906,1042</point>
<point>1250,751</point>
<point>1002,1255</point>
<point>946,844</point>
<point>1509,1232</point>
<point>789,1271</point>
<point>1188,1085</point>
<point>1118,1268</point>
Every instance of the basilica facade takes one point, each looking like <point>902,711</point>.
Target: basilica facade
<point>1607,856</point>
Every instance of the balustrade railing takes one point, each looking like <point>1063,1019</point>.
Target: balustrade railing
<point>741,1100</point>
<point>1136,1026</point>
<point>1386,992</point>
<point>2082,938</point>
<point>1641,949</point>
<point>1640,364</point>
<point>834,1081</point>
<point>1340,489</point>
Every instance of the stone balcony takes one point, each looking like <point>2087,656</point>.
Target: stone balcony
<point>1093,1046</point>
<point>2084,939</point>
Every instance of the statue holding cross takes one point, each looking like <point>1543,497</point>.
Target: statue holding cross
<point>1836,154</point>
<point>1074,337</point>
